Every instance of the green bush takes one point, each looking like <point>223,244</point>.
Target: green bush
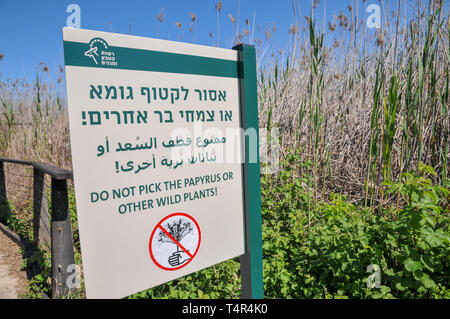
<point>324,251</point>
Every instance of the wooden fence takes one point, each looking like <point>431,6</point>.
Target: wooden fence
<point>59,238</point>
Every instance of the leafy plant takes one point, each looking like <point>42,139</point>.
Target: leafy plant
<point>330,258</point>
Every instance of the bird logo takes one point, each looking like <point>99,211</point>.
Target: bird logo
<point>92,53</point>
<point>96,47</point>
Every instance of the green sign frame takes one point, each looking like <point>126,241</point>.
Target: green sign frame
<point>252,260</point>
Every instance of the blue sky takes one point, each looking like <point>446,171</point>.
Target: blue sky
<point>31,31</point>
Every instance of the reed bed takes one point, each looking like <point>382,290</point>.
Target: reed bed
<point>366,106</point>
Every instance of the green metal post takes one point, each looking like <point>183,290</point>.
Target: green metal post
<point>251,261</point>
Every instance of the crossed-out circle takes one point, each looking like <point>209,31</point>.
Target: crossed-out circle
<point>174,241</point>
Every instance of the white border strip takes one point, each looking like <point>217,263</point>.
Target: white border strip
<point>143,43</point>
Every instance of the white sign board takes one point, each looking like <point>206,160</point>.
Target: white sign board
<point>152,127</point>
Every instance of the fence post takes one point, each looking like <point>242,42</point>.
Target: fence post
<point>62,247</point>
<point>4,206</point>
<point>41,222</point>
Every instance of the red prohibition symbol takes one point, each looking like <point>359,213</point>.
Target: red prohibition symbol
<point>175,241</point>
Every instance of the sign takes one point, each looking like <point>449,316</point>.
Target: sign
<point>158,152</point>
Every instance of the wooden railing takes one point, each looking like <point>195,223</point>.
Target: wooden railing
<point>60,235</point>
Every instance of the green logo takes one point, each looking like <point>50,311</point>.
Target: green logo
<point>100,52</point>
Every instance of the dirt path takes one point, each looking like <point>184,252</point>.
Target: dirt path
<point>13,281</point>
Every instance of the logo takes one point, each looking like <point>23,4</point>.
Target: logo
<point>100,52</point>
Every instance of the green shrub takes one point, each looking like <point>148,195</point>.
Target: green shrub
<point>327,256</point>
